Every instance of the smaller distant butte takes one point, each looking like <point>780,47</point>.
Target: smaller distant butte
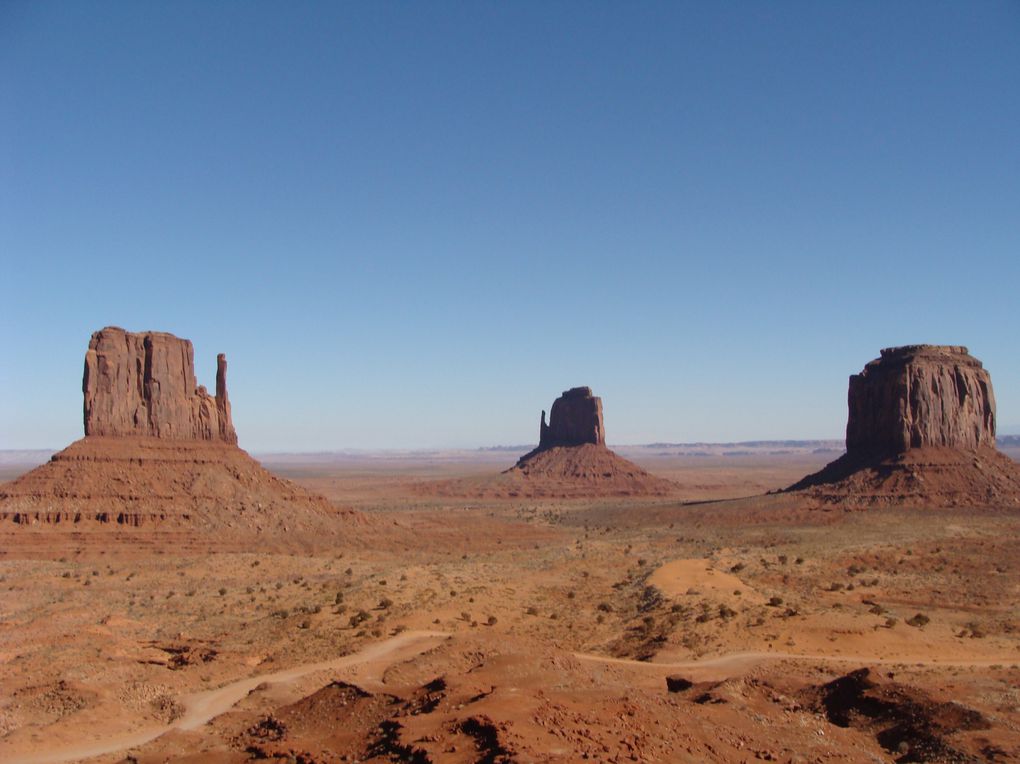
<point>920,432</point>
<point>570,461</point>
<point>572,457</point>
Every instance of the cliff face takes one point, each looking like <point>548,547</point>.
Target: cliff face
<point>919,396</point>
<point>575,419</point>
<point>144,385</point>
<point>159,450</point>
<point>920,431</point>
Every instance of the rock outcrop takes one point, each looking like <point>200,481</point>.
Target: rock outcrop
<point>575,419</point>
<point>920,430</point>
<point>918,396</point>
<point>144,384</point>
<point>159,450</point>
<point>571,460</point>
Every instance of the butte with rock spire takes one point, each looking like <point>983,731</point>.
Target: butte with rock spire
<point>158,450</point>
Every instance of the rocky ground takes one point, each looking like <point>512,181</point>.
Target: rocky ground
<point>509,629</point>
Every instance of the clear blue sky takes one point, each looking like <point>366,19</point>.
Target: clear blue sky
<point>414,224</point>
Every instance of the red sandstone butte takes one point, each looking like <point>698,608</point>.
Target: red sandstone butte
<point>159,450</point>
<point>920,430</point>
<point>144,385</point>
<point>918,396</point>
<point>572,458</point>
<point>575,419</point>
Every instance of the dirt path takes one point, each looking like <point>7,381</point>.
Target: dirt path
<point>740,661</point>
<point>373,660</point>
<point>200,707</point>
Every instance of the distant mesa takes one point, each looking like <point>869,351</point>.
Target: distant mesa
<point>920,430</point>
<point>158,449</point>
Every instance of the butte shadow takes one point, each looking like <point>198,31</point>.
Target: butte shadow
<point>158,450</point>
<point>571,461</point>
<point>920,432</point>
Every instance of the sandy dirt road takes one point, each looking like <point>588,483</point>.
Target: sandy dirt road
<point>370,663</point>
<point>200,707</point>
<point>735,663</point>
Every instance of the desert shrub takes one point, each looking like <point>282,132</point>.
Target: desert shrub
<point>918,620</point>
<point>492,620</point>
<point>775,601</point>
<point>737,568</point>
<point>339,598</point>
<point>222,590</point>
<point>605,607</point>
<point>385,602</point>
<point>359,618</point>
<point>532,610</point>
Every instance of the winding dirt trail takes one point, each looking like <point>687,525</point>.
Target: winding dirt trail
<point>200,707</point>
<point>373,660</point>
<point>740,661</point>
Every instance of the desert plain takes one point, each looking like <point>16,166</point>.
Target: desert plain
<point>723,623</point>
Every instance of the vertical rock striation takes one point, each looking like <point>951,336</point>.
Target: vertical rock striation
<point>144,385</point>
<point>919,396</point>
